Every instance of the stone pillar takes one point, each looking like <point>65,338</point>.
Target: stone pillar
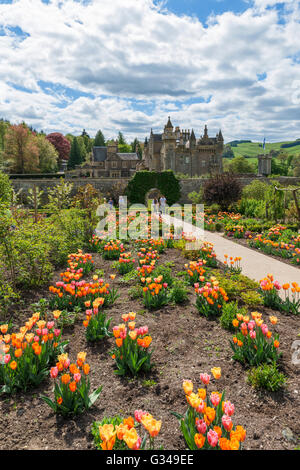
<point>264,165</point>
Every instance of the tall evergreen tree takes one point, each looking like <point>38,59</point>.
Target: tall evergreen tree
<point>75,155</point>
<point>99,139</point>
<point>121,139</point>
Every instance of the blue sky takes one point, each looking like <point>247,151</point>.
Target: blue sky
<point>127,66</point>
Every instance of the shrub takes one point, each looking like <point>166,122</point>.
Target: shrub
<point>252,298</point>
<point>223,189</point>
<point>207,422</point>
<point>131,353</point>
<point>179,292</point>
<point>267,377</point>
<point>143,181</point>
<point>6,190</point>
<point>229,313</point>
<point>72,387</point>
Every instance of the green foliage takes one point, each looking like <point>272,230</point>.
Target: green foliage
<point>166,272</point>
<point>252,298</point>
<point>143,181</point>
<point>179,292</point>
<point>135,292</point>
<point>99,139</point>
<point>97,327</point>
<point>59,196</point>
<point>5,189</point>
<point>229,312</point>
<point>239,165</point>
<point>267,377</point>
<point>76,156</point>
<point>255,190</point>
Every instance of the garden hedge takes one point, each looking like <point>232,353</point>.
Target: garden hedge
<point>143,181</point>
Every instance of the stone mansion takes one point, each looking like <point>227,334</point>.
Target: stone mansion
<point>181,152</point>
<point>175,150</point>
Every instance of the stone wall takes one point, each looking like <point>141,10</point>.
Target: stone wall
<point>104,185</point>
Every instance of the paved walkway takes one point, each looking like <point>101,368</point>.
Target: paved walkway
<point>254,265</point>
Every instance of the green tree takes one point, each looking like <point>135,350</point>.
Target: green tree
<point>5,189</point>
<point>75,155</point>
<point>239,165</point>
<point>48,155</point>
<point>121,139</point>
<point>83,151</point>
<point>136,148</point>
<point>99,140</point>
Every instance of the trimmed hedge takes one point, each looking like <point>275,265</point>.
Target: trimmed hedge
<point>143,181</point>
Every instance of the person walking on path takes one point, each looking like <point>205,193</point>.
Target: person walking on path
<point>163,202</point>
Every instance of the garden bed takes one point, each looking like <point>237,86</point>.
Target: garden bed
<point>185,344</point>
<point>244,242</point>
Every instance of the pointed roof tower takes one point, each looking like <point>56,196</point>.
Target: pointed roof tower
<point>220,136</point>
<point>169,124</point>
<point>193,137</point>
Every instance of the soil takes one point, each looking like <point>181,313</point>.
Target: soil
<point>185,344</point>
<point>244,242</point>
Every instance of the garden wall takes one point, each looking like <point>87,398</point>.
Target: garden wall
<point>104,184</point>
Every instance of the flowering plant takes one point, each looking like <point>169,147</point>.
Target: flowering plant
<point>269,291</point>
<point>82,261</point>
<point>113,249</point>
<point>28,354</point>
<point>96,323</point>
<point>125,263</point>
<point>207,422</point>
<point>253,343</point>
<point>71,386</point>
<point>155,293</point>
<point>131,353</point>
<point>195,272</point>
<point>233,265</point>
<point>121,434</point>
<point>77,293</point>
<point>210,298</point>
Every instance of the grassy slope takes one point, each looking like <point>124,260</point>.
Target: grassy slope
<point>253,149</point>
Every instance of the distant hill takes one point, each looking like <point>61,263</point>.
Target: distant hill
<point>252,149</point>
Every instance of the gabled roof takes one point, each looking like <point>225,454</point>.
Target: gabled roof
<point>100,154</point>
<point>128,156</point>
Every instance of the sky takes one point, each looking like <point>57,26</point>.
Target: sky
<point>126,65</point>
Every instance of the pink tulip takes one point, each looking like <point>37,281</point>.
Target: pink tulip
<point>215,398</point>
<point>77,377</point>
<point>54,372</point>
<point>56,332</point>
<point>201,426</point>
<point>6,358</point>
<point>228,408</point>
<point>212,438</point>
<point>44,331</point>
<point>201,407</point>
<point>205,378</point>
<point>138,414</point>
<point>50,325</point>
<point>252,334</point>
<point>227,423</point>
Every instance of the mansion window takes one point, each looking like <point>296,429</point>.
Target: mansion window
<point>115,174</point>
<point>124,164</point>
<point>133,164</point>
<point>187,160</point>
<point>203,162</point>
<point>114,164</point>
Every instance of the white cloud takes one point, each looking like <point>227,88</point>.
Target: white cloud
<point>116,52</point>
